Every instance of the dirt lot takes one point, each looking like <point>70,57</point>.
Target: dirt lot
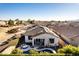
<point>3,34</point>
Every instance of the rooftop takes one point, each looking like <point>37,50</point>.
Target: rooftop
<point>36,30</point>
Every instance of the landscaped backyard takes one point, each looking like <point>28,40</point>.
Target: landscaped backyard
<point>68,50</point>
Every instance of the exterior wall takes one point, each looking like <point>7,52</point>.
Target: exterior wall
<point>27,40</point>
<point>46,37</point>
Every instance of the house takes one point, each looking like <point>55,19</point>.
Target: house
<point>75,40</point>
<point>2,23</point>
<point>69,30</point>
<point>41,36</point>
<point>42,23</point>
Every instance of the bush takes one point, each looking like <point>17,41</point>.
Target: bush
<point>33,51</point>
<point>30,21</point>
<point>17,51</point>
<point>69,50</point>
<point>12,31</point>
<point>10,22</point>
<point>36,53</point>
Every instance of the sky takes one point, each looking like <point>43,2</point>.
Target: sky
<point>39,11</point>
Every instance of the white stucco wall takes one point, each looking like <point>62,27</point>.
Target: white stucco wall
<point>46,37</point>
<point>27,40</point>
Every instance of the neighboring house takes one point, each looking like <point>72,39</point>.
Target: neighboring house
<point>70,31</point>
<point>41,36</point>
<point>75,40</point>
<point>2,23</point>
<point>42,23</point>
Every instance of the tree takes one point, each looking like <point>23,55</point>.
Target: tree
<point>18,21</point>
<point>10,22</point>
<point>12,31</point>
<point>30,21</point>
<point>52,21</point>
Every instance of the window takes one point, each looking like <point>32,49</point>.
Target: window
<point>51,40</point>
<point>29,37</point>
<point>39,42</point>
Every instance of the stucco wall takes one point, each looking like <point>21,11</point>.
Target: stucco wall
<point>27,40</point>
<point>46,37</point>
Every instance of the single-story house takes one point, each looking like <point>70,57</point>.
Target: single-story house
<point>41,36</point>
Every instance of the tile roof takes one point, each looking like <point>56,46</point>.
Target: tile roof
<point>34,31</point>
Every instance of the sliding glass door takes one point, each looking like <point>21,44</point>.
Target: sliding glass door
<point>39,42</point>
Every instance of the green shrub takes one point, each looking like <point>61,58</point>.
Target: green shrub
<point>33,51</point>
<point>10,22</point>
<point>17,51</point>
<point>69,50</point>
<point>36,53</point>
<point>12,31</point>
<point>76,51</point>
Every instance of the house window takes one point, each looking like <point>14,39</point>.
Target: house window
<point>51,40</point>
<point>29,37</point>
<point>39,42</point>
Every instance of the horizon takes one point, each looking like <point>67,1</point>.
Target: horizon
<point>41,19</point>
<point>40,11</point>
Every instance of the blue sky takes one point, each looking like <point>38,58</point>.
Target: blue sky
<point>39,11</point>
